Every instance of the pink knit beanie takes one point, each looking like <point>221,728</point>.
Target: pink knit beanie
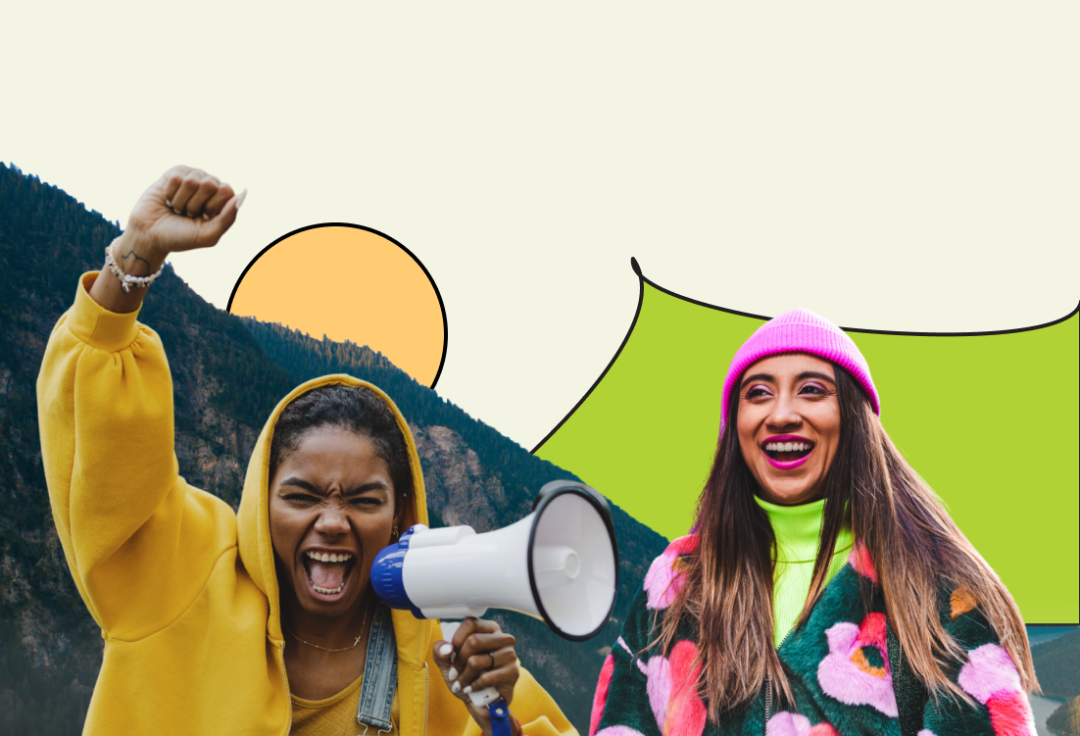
<point>800,331</point>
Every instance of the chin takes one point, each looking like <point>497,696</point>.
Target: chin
<point>789,495</point>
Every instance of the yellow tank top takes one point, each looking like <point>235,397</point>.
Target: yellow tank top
<point>336,715</point>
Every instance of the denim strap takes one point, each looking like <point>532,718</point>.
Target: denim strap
<point>380,673</point>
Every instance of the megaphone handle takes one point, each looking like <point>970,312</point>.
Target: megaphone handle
<point>500,718</point>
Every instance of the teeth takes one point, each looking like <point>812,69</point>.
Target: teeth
<point>326,557</point>
<point>328,591</point>
<point>787,446</point>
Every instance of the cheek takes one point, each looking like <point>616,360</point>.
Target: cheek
<point>287,527</point>
<point>754,459</point>
<point>374,530</point>
<point>746,436</point>
<point>278,532</point>
<point>830,430</point>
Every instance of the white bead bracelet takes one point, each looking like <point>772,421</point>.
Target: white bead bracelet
<point>126,280</point>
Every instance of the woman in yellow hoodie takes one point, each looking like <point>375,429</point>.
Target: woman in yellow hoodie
<point>262,621</point>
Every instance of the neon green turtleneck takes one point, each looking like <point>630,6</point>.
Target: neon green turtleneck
<point>798,531</point>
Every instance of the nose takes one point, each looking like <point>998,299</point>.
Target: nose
<point>784,414</point>
<point>332,521</point>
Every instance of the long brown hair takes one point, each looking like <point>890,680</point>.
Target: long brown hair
<point>909,536</point>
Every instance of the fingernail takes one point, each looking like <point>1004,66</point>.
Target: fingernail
<point>453,673</point>
<point>447,650</point>
<point>205,216</point>
<point>176,210</point>
<point>168,203</point>
<point>467,690</point>
<point>241,198</point>
<point>456,687</point>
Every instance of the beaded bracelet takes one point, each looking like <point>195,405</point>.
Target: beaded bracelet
<point>126,280</point>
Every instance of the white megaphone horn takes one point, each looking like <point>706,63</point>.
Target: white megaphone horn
<point>559,564</point>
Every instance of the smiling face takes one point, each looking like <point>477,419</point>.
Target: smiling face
<point>789,426</point>
<point>332,508</point>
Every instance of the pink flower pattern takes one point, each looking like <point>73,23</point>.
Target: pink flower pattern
<point>989,670</point>
<point>658,686</point>
<point>673,696</point>
<point>666,576</point>
<point>990,676</point>
<point>686,712</point>
<point>786,723</point>
<point>860,560</point>
<point>856,669</point>
<point>601,695</point>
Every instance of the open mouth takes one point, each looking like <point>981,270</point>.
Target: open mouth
<point>786,453</point>
<point>328,572</point>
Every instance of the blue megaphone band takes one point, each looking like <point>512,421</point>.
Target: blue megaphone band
<point>386,575</point>
<point>500,718</point>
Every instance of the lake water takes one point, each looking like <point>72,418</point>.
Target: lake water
<point>1038,634</point>
<point>1042,708</point>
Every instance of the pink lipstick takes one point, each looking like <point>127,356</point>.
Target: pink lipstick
<point>801,446</point>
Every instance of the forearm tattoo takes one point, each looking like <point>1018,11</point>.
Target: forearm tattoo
<point>130,265</point>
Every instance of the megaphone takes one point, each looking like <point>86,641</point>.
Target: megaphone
<point>559,564</point>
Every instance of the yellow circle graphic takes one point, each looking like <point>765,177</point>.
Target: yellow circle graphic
<point>349,283</point>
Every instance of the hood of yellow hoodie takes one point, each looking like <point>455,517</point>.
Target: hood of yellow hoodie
<point>253,522</point>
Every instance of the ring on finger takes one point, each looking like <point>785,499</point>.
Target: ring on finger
<point>492,661</point>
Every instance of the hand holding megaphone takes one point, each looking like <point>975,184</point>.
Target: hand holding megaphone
<point>480,666</point>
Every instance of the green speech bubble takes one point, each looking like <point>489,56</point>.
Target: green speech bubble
<point>990,420</point>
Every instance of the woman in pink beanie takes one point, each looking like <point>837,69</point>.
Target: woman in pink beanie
<point>824,590</point>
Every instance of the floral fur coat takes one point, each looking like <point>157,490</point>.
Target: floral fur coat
<point>843,665</point>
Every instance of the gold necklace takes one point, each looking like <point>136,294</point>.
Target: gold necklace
<point>325,649</point>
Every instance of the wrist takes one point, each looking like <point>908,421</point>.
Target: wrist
<point>116,289</point>
<point>135,256</point>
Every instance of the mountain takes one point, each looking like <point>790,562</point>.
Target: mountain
<point>228,374</point>
<point>1066,719</point>
<point>1057,665</point>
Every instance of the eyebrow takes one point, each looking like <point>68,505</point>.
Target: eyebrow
<point>802,376</point>
<point>375,485</point>
<point>757,377</point>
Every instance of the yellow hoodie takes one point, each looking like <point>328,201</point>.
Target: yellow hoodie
<point>184,590</point>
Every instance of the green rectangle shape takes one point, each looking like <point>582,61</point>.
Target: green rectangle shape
<point>991,422</point>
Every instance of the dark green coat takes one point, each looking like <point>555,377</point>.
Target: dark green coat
<point>844,665</point>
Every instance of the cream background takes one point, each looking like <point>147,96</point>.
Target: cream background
<point>907,166</point>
